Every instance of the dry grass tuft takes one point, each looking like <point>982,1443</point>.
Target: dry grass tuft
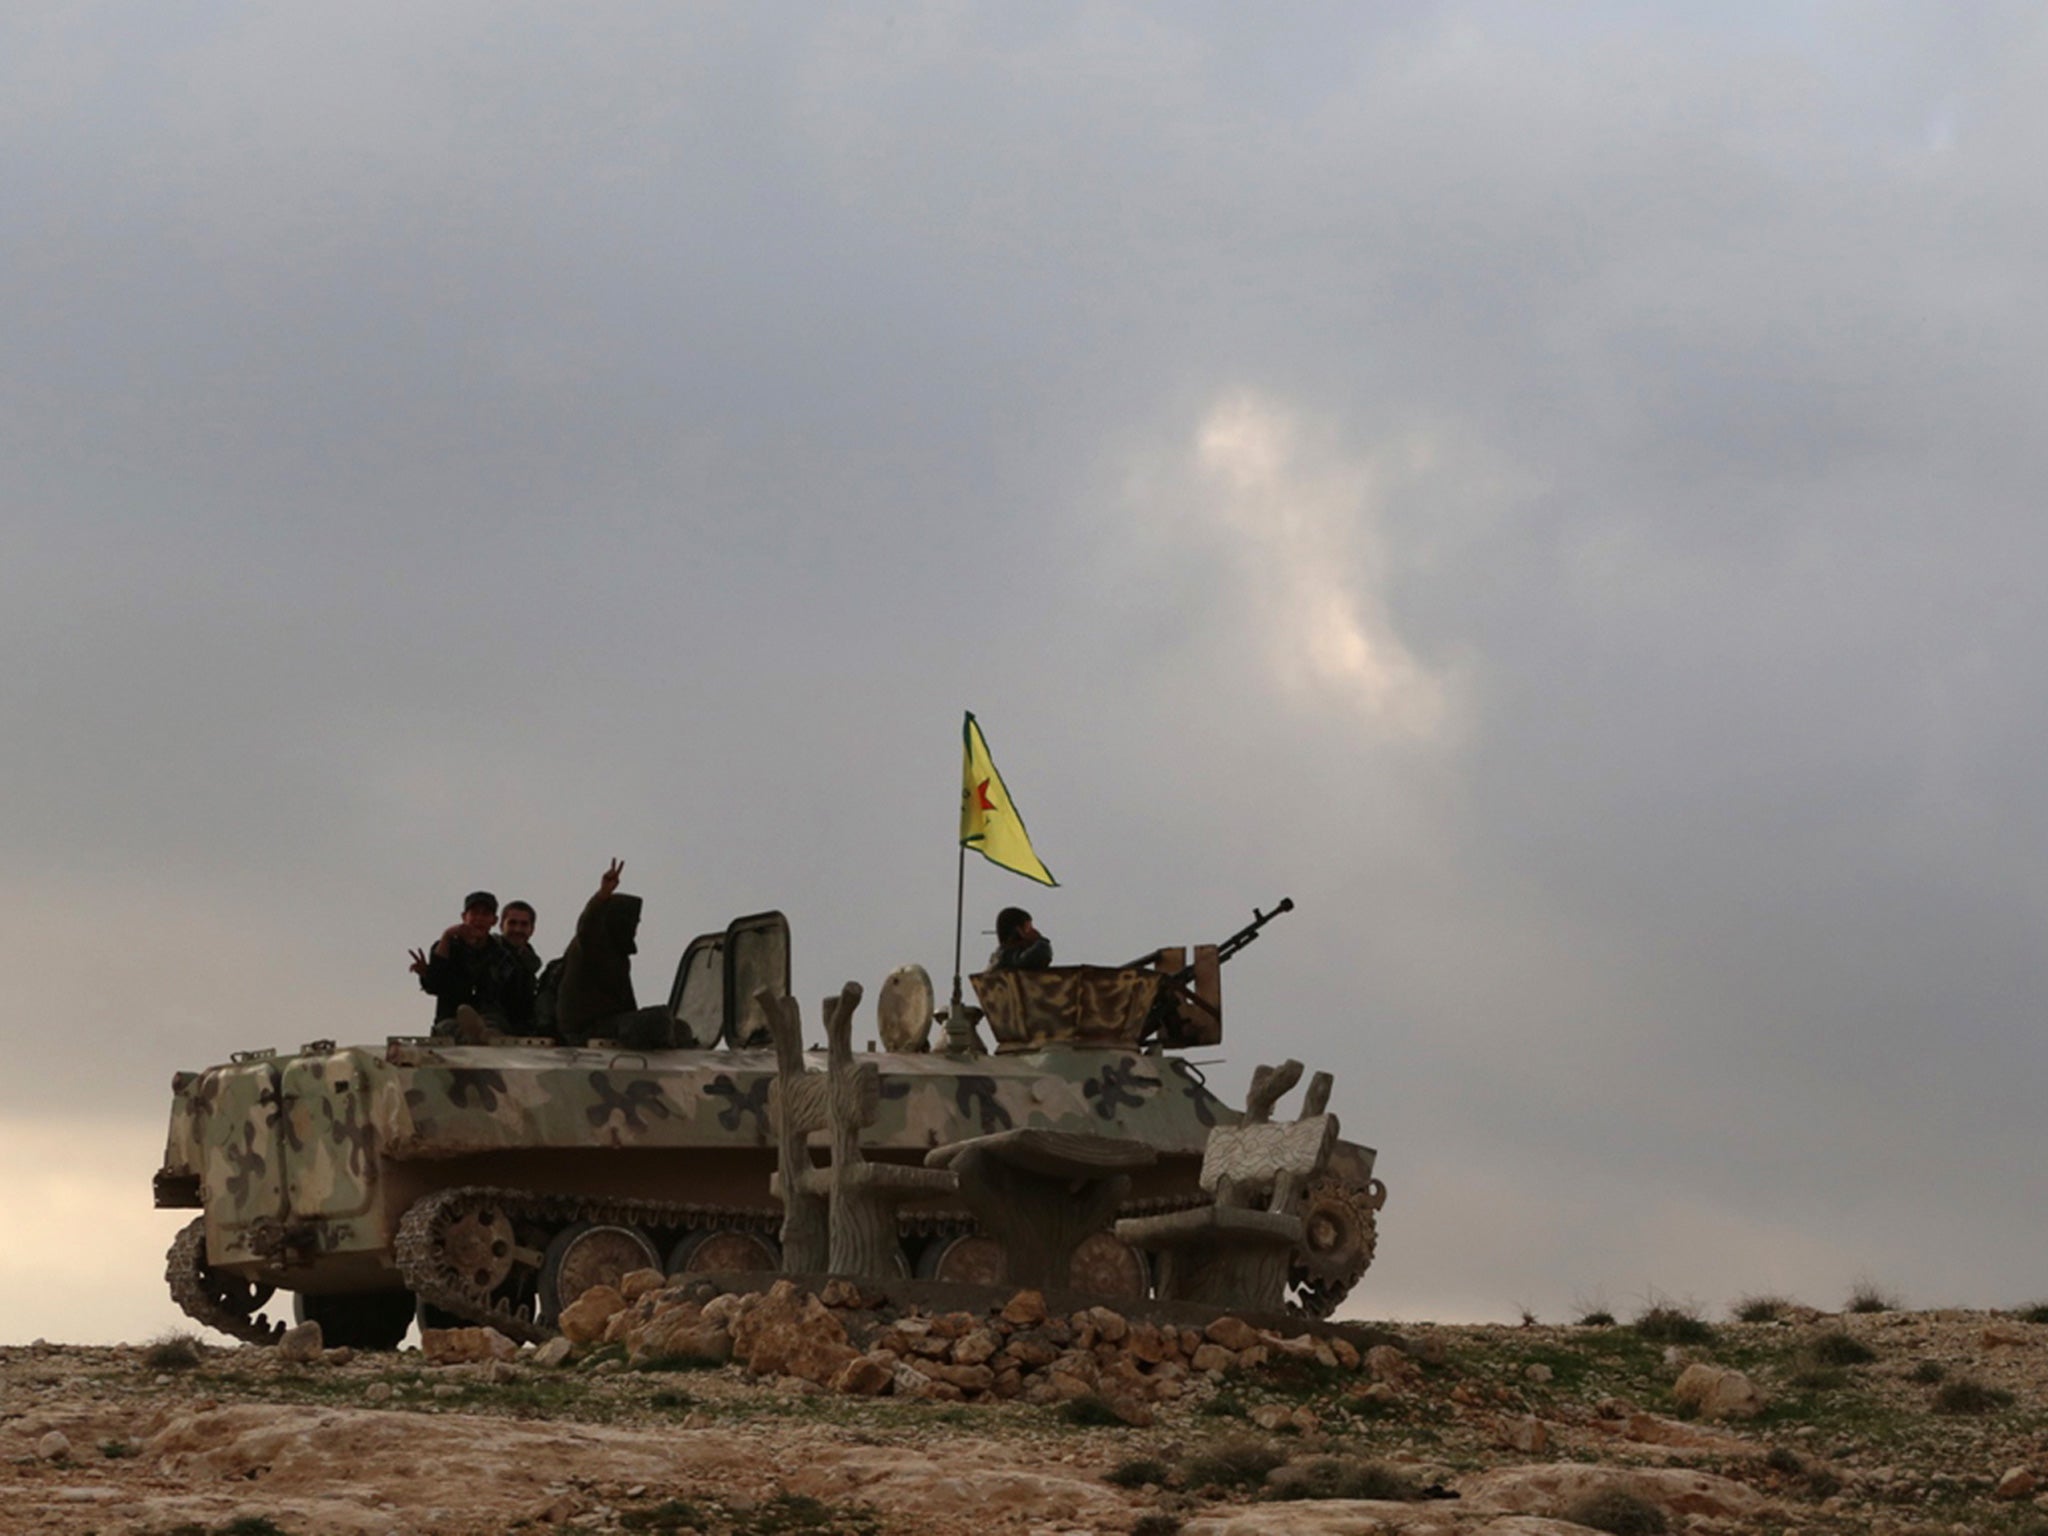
<point>1965,1394</point>
<point>1836,1347</point>
<point>1618,1512</point>
<point>1665,1321</point>
<point>1765,1308</point>
<point>1869,1296</point>
<point>174,1352</point>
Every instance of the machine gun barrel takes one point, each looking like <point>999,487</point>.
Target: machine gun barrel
<point>1174,989</point>
<point>1224,951</point>
<point>1250,930</point>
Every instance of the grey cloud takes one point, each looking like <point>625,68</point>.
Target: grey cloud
<point>453,444</point>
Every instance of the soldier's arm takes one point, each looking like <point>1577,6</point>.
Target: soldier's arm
<point>438,976</point>
<point>587,922</point>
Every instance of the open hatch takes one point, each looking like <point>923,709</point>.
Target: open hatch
<point>713,995</point>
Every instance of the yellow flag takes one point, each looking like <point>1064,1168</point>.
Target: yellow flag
<point>989,823</point>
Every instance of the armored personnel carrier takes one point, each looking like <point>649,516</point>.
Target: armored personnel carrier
<point>495,1183</point>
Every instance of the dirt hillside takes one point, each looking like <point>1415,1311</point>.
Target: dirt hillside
<point>1889,1422</point>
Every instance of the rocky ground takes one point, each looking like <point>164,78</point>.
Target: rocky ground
<point>1013,1421</point>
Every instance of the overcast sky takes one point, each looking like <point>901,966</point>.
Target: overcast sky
<point>1554,489</point>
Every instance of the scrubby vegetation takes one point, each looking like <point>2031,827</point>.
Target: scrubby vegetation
<point>1089,1411</point>
<point>1138,1472</point>
<point>1665,1321</point>
<point>1966,1394</point>
<point>1337,1477</point>
<point>173,1352</point>
<point>1869,1296</point>
<point>1232,1466</point>
<point>1836,1347</point>
<point>1618,1512</point>
<point>1764,1308</point>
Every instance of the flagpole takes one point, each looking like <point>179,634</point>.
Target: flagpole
<point>959,919</point>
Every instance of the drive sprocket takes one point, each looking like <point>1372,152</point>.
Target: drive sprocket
<point>221,1301</point>
<point>1341,1232</point>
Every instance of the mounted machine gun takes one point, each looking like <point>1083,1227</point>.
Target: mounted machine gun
<point>1188,1009</point>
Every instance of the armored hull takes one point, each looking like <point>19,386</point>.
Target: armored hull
<point>494,1183</point>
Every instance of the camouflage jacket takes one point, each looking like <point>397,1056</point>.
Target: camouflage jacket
<point>488,977</point>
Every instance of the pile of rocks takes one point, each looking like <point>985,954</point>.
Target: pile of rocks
<point>849,1340</point>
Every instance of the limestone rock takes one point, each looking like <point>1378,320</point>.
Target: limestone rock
<point>301,1345</point>
<point>684,1336</point>
<point>1031,1349</point>
<point>583,1320</point>
<point>1109,1324</point>
<point>723,1309</point>
<point>1550,1490</point>
<point>642,1282</point>
<point>968,1378</point>
<point>1232,1333</point>
<point>912,1493</point>
<point>1025,1309</point>
<point>817,1359</point>
<point>1347,1353</point>
<point>785,1328</point>
<point>465,1346</point>
<point>1143,1342</point>
<point>2017,1483</point>
<point>1390,1365</point>
<point>1653,1429</point>
<point>1528,1435</point>
<point>53,1446</point>
<point>1540,1373</point>
<point>976,1347</point>
<point>1074,1363</point>
<point>553,1353</point>
<point>2007,1336</point>
<point>1134,1411</point>
<point>864,1376</point>
<point>848,1296</point>
<point>1717,1392</point>
<point>1302,1348</point>
<point>377,1392</point>
<point>909,1381</point>
<point>1213,1357</point>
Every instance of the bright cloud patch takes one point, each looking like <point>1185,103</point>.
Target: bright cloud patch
<point>1299,521</point>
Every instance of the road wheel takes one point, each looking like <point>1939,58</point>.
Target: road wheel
<point>1105,1265</point>
<point>963,1258</point>
<point>587,1254</point>
<point>725,1252</point>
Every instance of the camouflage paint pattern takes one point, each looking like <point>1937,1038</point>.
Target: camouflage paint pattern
<point>304,1163</point>
<point>1084,1004</point>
